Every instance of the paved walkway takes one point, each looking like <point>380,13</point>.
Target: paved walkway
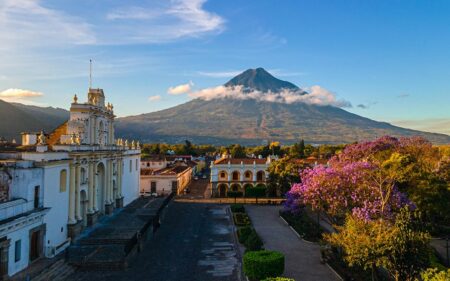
<point>302,259</point>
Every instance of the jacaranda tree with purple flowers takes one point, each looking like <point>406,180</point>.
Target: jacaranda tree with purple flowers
<point>362,191</point>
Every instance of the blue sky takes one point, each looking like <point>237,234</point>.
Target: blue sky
<point>389,59</point>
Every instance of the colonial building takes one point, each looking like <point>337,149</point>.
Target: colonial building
<point>238,174</point>
<point>22,226</point>
<point>160,176</point>
<point>75,174</point>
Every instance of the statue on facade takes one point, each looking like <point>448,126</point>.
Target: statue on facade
<point>72,139</point>
<point>78,139</point>
<point>126,143</point>
<point>41,138</point>
<point>133,145</point>
<point>75,99</point>
<point>138,145</point>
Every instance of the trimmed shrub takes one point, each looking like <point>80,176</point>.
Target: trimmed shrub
<point>241,219</point>
<point>255,192</point>
<point>263,264</point>
<point>278,279</point>
<point>253,242</point>
<point>243,233</point>
<point>237,208</point>
<point>235,194</point>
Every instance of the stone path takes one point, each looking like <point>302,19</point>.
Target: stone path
<point>302,258</point>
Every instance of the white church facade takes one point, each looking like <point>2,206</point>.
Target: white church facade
<point>64,180</point>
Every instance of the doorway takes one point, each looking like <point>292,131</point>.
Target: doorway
<point>34,245</point>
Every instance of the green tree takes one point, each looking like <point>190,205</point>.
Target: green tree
<point>237,151</point>
<point>399,246</point>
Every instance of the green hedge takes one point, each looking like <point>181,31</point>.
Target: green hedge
<point>243,233</point>
<point>253,242</point>
<point>259,265</point>
<point>237,208</point>
<point>278,279</point>
<point>255,192</point>
<point>241,219</point>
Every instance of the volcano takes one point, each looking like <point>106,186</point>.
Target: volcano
<point>251,121</point>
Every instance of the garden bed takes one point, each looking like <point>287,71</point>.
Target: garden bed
<point>303,225</point>
<point>241,219</point>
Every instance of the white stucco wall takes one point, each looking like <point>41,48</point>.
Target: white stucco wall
<point>131,177</point>
<point>56,219</point>
<point>22,234</point>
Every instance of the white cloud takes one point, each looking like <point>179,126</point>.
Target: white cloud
<point>27,23</point>
<point>20,95</point>
<point>154,98</point>
<point>163,21</point>
<point>316,95</point>
<point>180,89</point>
<point>32,23</point>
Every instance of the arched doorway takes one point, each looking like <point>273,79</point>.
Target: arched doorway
<point>247,186</point>
<point>100,187</point>
<point>222,190</point>
<point>235,187</point>
<point>83,207</point>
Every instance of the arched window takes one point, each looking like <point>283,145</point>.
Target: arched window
<point>83,176</point>
<point>62,181</point>
<point>248,175</point>
<point>223,175</point>
<point>236,175</point>
<point>260,176</point>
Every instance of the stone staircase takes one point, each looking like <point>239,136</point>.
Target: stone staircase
<point>59,271</point>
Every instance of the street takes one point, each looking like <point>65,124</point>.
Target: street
<point>195,242</point>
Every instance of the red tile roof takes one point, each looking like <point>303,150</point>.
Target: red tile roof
<point>237,161</point>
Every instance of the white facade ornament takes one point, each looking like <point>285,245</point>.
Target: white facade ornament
<point>41,138</point>
<point>78,139</point>
<point>138,145</point>
<point>133,145</point>
<point>126,143</point>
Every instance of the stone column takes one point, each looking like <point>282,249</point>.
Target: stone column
<point>77,192</point>
<point>91,188</point>
<point>119,198</point>
<point>72,195</point>
<point>119,178</point>
<point>111,187</point>
<point>94,190</point>
<point>110,135</point>
<point>107,177</point>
